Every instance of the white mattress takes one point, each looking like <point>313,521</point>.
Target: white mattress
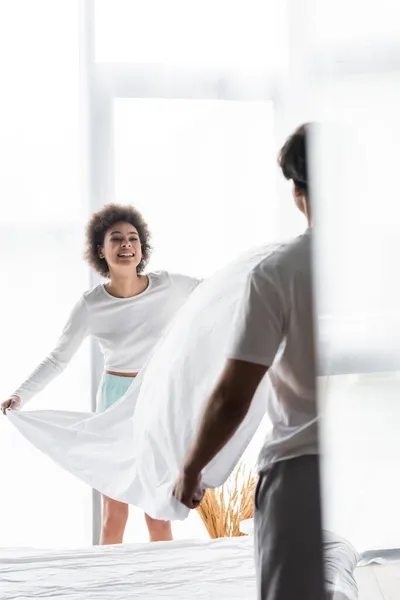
<point>214,569</point>
<point>217,569</point>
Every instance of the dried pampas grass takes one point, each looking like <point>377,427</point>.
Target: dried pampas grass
<point>223,509</point>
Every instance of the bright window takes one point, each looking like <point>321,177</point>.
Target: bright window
<point>43,274</point>
<point>357,23</point>
<point>207,33</point>
<point>202,172</point>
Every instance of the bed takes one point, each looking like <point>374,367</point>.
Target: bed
<point>215,569</point>
<point>182,570</point>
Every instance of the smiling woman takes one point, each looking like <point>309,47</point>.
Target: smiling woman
<point>127,316</point>
<point>117,232</point>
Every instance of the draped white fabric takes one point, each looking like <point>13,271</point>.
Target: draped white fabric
<point>133,451</point>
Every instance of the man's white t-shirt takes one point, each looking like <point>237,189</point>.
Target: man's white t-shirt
<point>274,328</point>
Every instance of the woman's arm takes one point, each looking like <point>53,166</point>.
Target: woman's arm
<point>74,332</point>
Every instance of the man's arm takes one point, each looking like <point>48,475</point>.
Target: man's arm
<point>258,333</point>
<point>224,413</point>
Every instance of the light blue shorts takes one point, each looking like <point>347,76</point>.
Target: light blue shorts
<point>111,389</point>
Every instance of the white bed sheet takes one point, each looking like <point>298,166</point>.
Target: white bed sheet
<point>133,451</point>
<point>213,569</point>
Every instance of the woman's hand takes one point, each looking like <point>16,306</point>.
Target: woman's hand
<point>12,403</point>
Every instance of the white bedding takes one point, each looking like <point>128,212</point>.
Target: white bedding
<point>183,570</point>
<point>220,569</point>
<point>133,451</point>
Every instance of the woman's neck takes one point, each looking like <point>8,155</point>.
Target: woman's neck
<point>126,287</point>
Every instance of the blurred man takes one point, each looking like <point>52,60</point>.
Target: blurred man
<point>274,333</point>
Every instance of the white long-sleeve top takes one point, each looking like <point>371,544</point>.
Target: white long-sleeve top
<point>126,329</point>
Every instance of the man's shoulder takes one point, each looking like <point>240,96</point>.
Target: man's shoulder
<point>285,258</point>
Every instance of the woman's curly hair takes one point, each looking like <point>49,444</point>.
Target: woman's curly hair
<point>101,222</point>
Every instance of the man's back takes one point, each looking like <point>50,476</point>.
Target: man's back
<point>275,328</point>
<point>292,405</point>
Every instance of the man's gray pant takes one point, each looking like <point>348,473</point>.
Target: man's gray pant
<point>288,532</point>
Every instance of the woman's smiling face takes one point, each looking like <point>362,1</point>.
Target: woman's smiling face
<point>121,248</point>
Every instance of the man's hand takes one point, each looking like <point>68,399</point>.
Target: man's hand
<point>225,411</point>
<point>188,489</point>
